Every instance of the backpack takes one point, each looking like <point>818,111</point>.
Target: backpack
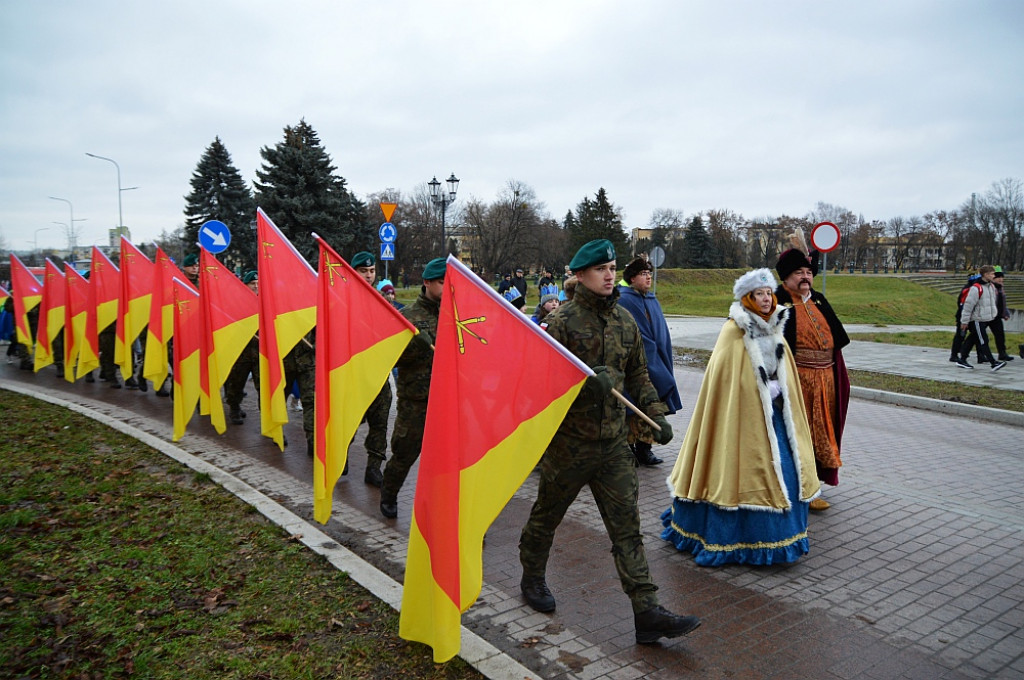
<point>972,282</point>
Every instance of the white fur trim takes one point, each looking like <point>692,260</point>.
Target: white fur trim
<point>752,280</point>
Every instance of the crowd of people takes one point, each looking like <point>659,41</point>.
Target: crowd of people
<point>764,437</point>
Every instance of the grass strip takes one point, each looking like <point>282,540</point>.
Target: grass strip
<point>118,562</point>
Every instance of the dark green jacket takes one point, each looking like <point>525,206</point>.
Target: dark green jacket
<point>601,333</point>
<point>413,380</point>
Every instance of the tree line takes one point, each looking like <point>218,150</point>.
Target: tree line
<point>299,187</point>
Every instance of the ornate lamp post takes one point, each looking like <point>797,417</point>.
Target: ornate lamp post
<point>443,199</point>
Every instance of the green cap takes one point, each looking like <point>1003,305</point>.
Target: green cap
<point>191,260</point>
<point>435,269</point>
<point>362,259</point>
<point>250,276</point>
<point>595,252</point>
<point>999,270</point>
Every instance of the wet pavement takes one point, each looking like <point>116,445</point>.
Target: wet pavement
<point>916,572</point>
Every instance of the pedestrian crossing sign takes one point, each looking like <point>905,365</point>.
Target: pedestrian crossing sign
<point>387,251</point>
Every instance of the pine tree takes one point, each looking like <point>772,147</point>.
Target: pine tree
<point>697,247</point>
<point>595,220</point>
<point>219,193</point>
<point>300,192</point>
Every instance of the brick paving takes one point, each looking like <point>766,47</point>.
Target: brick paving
<point>917,571</point>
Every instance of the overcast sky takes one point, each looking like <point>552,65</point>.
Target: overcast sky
<point>884,107</point>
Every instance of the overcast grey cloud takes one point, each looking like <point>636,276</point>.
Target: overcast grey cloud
<point>887,108</point>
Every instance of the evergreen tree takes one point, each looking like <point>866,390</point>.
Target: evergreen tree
<point>219,193</point>
<point>300,192</point>
<point>598,219</point>
<point>697,247</point>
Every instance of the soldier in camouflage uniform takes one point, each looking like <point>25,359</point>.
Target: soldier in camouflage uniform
<point>300,365</point>
<point>590,446</point>
<point>376,416</point>
<point>248,362</point>
<point>413,385</point>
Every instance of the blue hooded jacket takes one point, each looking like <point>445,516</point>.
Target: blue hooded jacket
<point>647,313</point>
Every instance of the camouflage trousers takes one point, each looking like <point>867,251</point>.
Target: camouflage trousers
<point>300,366</point>
<point>108,369</point>
<point>248,362</point>
<point>376,419</point>
<point>607,467</point>
<point>406,442</point>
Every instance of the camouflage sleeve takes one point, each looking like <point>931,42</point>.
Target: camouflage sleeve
<point>638,382</point>
<point>419,351</point>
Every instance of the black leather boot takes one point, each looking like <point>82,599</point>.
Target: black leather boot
<point>373,475</point>
<point>657,622</point>
<point>236,415</point>
<point>389,506</point>
<point>644,456</point>
<point>536,593</point>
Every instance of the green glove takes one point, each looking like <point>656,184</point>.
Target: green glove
<point>603,380</point>
<point>665,436</point>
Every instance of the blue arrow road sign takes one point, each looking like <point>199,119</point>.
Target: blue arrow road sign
<point>388,233</point>
<point>387,251</point>
<point>214,236</point>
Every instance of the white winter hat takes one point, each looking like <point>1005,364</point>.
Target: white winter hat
<point>751,281</point>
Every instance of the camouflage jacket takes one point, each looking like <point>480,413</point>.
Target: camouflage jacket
<point>601,333</point>
<point>413,380</point>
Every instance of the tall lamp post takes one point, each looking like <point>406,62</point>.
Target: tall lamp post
<point>443,199</point>
<point>72,235</point>
<point>120,215</point>
<point>35,239</point>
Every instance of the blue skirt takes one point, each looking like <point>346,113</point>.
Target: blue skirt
<point>717,537</point>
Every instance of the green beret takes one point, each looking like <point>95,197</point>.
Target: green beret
<point>593,253</point>
<point>435,269</point>
<point>362,259</point>
<point>250,276</point>
<point>191,260</point>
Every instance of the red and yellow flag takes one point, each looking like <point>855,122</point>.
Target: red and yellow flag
<point>161,318</point>
<point>229,314</point>
<point>104,291</point>
<point>51,316</point>
<point>27,293</point>
<point>188,343</point>
<point>287,302</point>
<point>76,300</point>
<point>133,303</point>
<point>359,338</point>
<point>499,389</point>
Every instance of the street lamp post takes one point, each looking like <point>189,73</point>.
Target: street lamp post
<point>120,215</point>
<point>72,235</point>
<point>35,238</point>
<point>443,199</point>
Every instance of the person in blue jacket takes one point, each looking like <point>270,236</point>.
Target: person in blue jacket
<point>636,298</point>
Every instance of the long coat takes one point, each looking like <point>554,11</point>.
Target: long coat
<point>657,343</point>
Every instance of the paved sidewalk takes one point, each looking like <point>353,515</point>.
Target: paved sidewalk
<point>916,572</point>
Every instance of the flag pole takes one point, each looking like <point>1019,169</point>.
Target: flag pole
<point>634,409</point>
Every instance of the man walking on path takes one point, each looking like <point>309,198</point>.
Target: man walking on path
<point>1002,314</point>
<point>590,445</point>
<point>816,337</point>
<point>637,299</point>
<point>413,386</point>
<point>979,310</point>
<point>376,416</point>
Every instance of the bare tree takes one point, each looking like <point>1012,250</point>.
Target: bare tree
<point>726,230</point>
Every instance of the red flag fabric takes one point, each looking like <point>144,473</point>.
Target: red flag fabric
<point>51,316</point>
<point>161,318</point>
<point>104,291</point>
<point>287,303</point>
<point>134,299</point>
<point>188,342</point>
<point>27,293</point>
<point>359,338</point>
<point>229,314</point>
<point>499,389</point>
<point>76,301</point>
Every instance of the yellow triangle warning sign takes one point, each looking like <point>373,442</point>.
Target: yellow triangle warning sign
<point>388,209</point>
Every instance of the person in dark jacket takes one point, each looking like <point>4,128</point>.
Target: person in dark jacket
<point>1002,314</point>
<point>637,299</point>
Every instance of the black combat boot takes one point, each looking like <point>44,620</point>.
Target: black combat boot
<point>388,505</point>
<point>236,415</point>
<point>657,622</point>
<point>536,593</point>
<point>373,475</point>
<point>644,456</point>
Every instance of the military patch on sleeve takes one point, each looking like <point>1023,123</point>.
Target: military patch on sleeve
<point>544,325</point>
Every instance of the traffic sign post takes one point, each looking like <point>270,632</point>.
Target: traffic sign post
<point>214,236</point>
<point>387,252</point>
<point>387,234</point>
<point>825,239</point>
<point>657,258</point>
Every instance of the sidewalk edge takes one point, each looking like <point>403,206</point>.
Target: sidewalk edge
<point>940,405</point>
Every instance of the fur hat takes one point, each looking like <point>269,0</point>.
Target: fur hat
<point>751,281</point>
<point>635,267</point>
<point>791,260</point>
